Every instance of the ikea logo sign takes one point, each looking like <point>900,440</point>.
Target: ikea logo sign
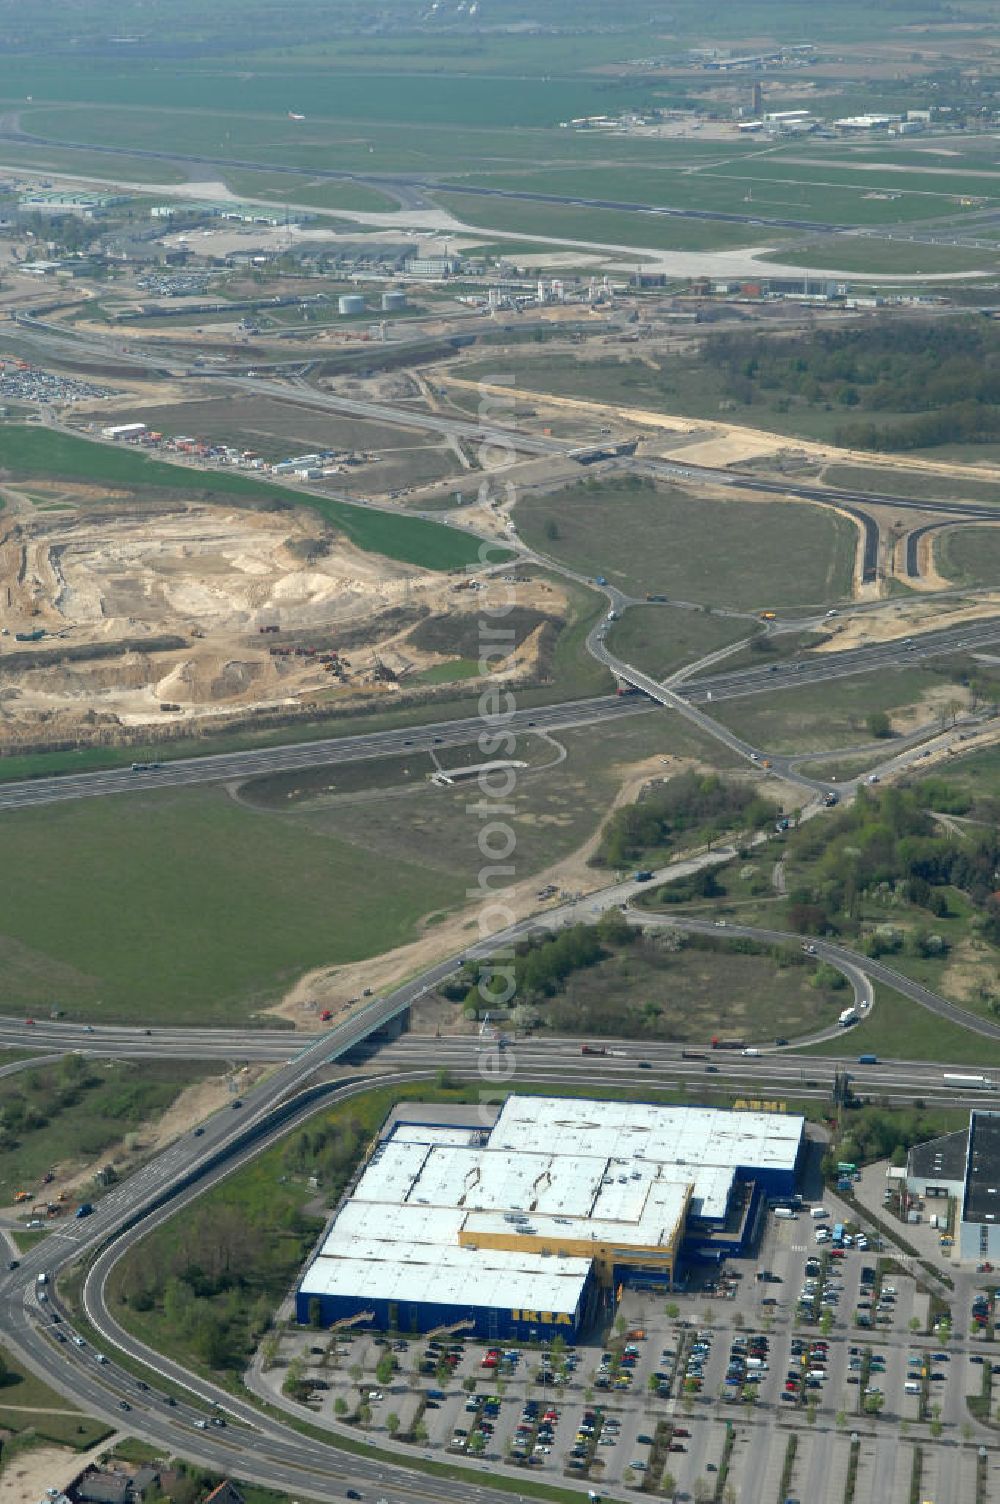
<point>543,1318</point>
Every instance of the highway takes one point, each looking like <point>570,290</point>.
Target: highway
<point>331,750</point>
<point>824,666</point>
<point>684,694</point>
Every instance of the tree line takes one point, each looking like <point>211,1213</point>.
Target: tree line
<point>937,382</point>
<point>690,805</point>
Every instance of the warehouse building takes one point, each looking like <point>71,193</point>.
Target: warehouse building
<point>965,1167</point>
<point>979,1229</point>
<point>527,1225</point>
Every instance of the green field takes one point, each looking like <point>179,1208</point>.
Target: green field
<point>240,901</point>
<point>817,193</point>
<point>916,484</point>
<point>824,717</point>
<point>660,640</point>
<point>30,453</point>
<point>887,258</point>
<point>969,555</point>
<point>901,1030</point>
<point>185,907</point>
<point>601,227</point>
<point>554,808</point>
<point>36,1414</point>
<point>69,1112</point>
<point>652,538</point>
<point>289,188</point>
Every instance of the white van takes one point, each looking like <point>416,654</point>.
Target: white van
<point>818,1211</point>
<point>911,1387</point>
<point>785,1213</point>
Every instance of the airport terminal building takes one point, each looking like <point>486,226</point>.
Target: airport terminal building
<point>523,1227</point>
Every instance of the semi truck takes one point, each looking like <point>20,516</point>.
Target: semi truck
<point>848,1017</point>
<point>969,1083</point>
<point>727,1044</point>
<point>593,1049</point>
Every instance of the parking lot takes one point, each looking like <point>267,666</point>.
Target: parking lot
<point>757,1374</point>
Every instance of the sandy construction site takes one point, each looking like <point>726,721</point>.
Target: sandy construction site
<point>167,614</point>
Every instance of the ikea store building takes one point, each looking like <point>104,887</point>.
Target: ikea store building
<point>519,1228</point>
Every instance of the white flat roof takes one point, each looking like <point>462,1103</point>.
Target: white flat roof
<point>433,1133</point>
<point>615,1173</point>
<point>680,1136</point>
<point>449,1275</point>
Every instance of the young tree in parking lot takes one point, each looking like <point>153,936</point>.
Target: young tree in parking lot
<point>385,1368</point>
<point>356,1372</point>
<point>420,1432</point>
<point>628,1476</point>
<point>668,1483</point>
<point>469,1385</point>
<point>392,1423</point>
<point>811,1412</point>
<point>340,1405</point>
<point>621,1326</point>
<point>365,1413</point>
<point>652,1383</point>
<point>672,1310</point>
<point>442,1373</point>
<point>874,1403</point>
<point>826,1322</point>
<point>914,1323</point>
<point>840,1419</point>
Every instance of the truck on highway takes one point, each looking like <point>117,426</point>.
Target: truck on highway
<point>593,1049</point>
<point>84,1209</point>
<point>693,1055</point>
<point>848,1017</point>
<point>727,1044</point>
<point>868,1060</point>
<point>969,1083</point>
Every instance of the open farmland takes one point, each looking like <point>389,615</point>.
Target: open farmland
<point>969,555</point>
<point>834,715</point>
<point>115,935</point>
<point>651,538</point>
<point>660,640</point>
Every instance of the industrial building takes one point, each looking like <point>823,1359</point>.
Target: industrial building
<point>533,1222</point>
<point>963,1166</point>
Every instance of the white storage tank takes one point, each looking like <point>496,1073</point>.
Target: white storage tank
<point>351,302</point>
<point>393,302</point>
